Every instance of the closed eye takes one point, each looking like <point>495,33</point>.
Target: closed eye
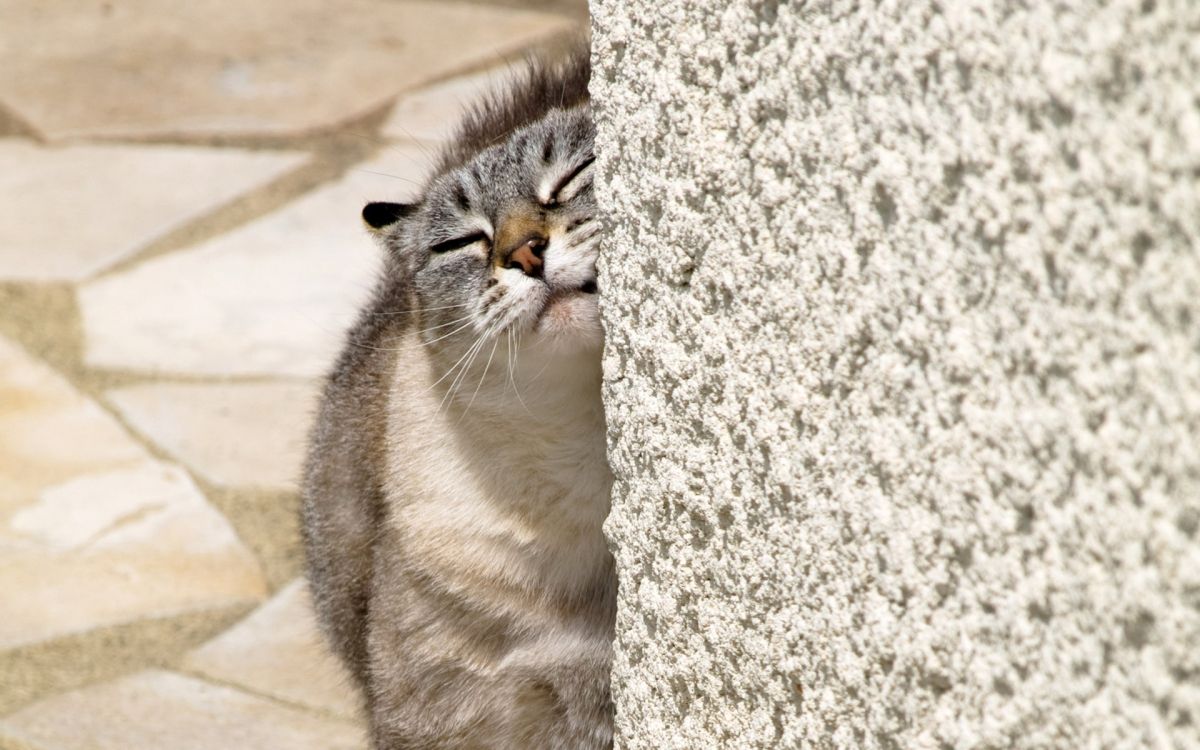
<point>458,242</point>
<point>565,190</point>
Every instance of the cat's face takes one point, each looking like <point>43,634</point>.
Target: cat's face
<point>503,248</point>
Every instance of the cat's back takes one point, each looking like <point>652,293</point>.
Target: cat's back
<point>342,488</point>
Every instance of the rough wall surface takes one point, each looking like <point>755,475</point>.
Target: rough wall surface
<point>903,377</point>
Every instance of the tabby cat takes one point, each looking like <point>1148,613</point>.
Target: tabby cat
<point>456,481</point>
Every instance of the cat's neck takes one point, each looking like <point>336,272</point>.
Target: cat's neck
<point>543,406</point>
<point>532,389</point>
<point>514,463</point>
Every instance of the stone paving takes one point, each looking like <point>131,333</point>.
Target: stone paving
<point>179,255</point>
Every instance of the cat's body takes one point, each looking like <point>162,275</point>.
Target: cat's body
<point>456,484</point>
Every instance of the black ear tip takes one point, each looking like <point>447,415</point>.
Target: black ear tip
<point>380,215</point>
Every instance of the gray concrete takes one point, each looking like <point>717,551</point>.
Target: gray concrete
<point>903,305</point>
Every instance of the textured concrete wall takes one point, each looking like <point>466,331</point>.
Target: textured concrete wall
<point>903,304</point>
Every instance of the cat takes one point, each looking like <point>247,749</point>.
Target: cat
<point>456,482</point>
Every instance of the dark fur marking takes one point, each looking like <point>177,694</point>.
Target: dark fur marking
<point>460,197</point>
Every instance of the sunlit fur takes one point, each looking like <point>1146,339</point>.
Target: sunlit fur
<point>463,287</point>
<point>456,482</point>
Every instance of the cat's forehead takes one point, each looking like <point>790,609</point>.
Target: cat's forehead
<point>518,165</point>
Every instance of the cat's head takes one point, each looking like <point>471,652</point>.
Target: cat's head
<point>501,248</point>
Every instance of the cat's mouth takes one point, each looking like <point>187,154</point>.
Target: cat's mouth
<point>563,296</point>
<point>557,295</point>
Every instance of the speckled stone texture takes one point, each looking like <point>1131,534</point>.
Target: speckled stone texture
<point>903,374</point>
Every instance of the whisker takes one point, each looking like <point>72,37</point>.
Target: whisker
<point>368,347</point>
<point>444,325</point>
<point>486,367</point>
<point>452,368</point>
<point>462,374</point>
<point>393,176</point>
<point>413,140</point>
<point>423,309</point>
<point>466,318</point>
<point>467,359</point>
<point>393,147</point>
<point>512,353</point>
<point>456,330</point>
<point>512,377</point>
<point>539,372</point>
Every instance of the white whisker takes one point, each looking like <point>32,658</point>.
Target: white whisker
<point>539,372</point>
<point>456,330</point>
<point>456,321</point>
<point>511,372</point>
<point>462,373</point>
<point>453,367</point>
<point>417,311</point>
<point>486,367</point>
<point>393,176</point>
<point>512,354</point>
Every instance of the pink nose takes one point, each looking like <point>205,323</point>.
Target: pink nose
<point>527,256</point>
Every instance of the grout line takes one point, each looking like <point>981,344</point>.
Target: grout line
<point>13,125</point>
<point>154,632</point>
<point>241,688</point>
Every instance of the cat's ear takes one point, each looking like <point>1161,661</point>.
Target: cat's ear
<point>380,216</point>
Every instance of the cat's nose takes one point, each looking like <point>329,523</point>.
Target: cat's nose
<point>527,257</point>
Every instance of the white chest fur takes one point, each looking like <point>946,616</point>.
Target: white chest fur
<point>510,491</point>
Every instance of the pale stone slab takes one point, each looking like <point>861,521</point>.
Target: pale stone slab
<point>432,113</point>
<point>108,548</point>
<point>154,710</point>
<point>278,651</point>
<point>93,532</point>
<point>70,212</point>
<point>273,297</point>
<point>49,432</point>
<point>159,67</point>
<point>232,434</point>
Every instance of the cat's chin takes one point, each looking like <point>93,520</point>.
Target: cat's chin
<point>570,321</point>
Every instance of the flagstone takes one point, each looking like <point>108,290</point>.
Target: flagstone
<point>232,434</point>
<point>154,709</point>
<point>272,297</point>
<point>49,432</point>
<point>70,212</point>
<point>113,547</point>
<point>278,651</point>
<point>222,67</point>
<point>432,113</point>
<point>93,531</point>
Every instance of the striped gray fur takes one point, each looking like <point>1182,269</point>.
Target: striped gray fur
<point>456,481</point>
